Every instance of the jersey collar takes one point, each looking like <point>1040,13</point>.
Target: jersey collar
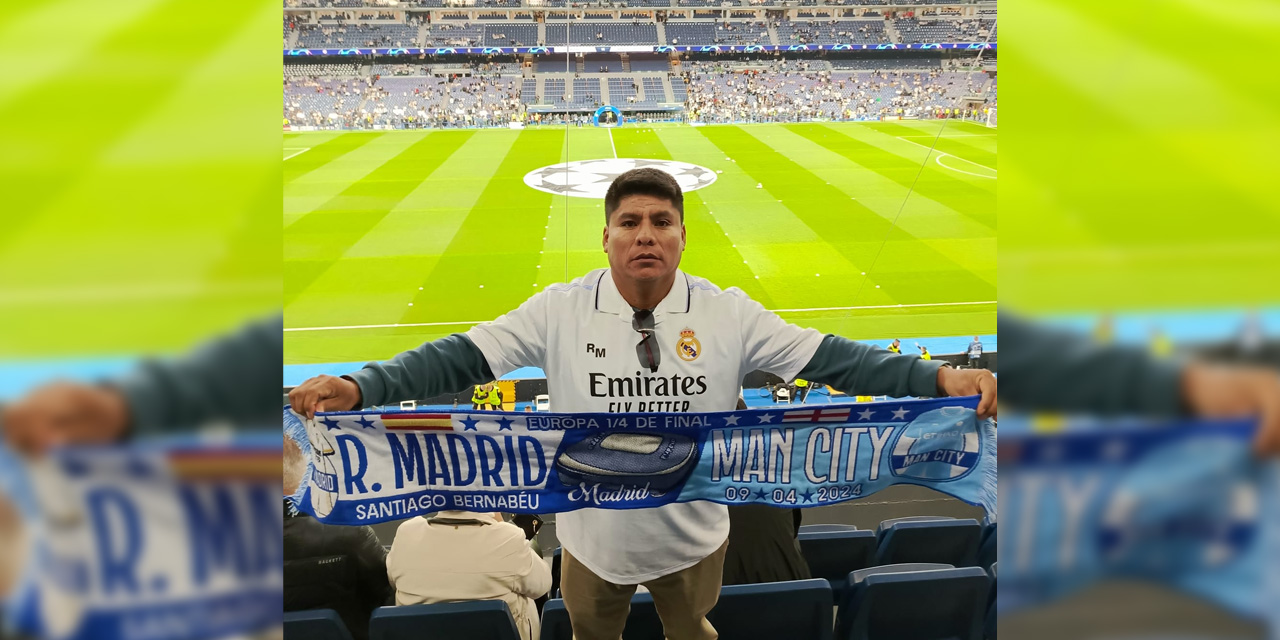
<point>608,300</point>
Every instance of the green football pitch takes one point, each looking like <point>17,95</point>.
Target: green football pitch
<point>395,238</point>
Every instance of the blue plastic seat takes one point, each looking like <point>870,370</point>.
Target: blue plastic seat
<point>795,610</point>
<point>901,602</point>
<point>831,555</point>
<point>822,528</point>
<point>950,541</point>
<point>643,622</point>
<point>318,624</point>
<point>991,605</point>
<point>555,621</point>
<point>489,619</point>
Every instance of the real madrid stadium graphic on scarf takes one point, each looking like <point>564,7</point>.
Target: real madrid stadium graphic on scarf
<point>369,467</point>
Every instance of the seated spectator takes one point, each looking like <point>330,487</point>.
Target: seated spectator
<point>463,555</point>
<point>329,566</point>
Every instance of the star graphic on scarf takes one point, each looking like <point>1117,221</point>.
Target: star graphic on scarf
<point>469,424</point>
<point>865,414</point>
<point>766,417</point>
<point>761,495</point>
<point>365,423</point>
<point>900,413</point>
<point>731,421</point>
<point>330,424</point>
<point>807,496</point>
<point>504,423</point>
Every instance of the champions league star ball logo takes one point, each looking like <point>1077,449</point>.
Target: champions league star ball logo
<point>591,178</point>
<point>939,445</point>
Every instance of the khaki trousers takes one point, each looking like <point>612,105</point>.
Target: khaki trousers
<point>598,609</point>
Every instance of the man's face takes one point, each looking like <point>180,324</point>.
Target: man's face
<point>644,238</point>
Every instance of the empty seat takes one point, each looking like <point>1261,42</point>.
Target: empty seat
<point>950,541</point>
<point>555,621</point>
<point>796,610</point>
<point>817,528</point>
<point>905,603</point>
<point>320,624</point>
<point>489,619</point>
<point>831,555</point>
<point>643,622</point>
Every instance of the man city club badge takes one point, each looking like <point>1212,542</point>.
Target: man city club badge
<point>688,348</point>
<point>939,445</point>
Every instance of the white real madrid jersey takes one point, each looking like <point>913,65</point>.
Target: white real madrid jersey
<point>581,334</point>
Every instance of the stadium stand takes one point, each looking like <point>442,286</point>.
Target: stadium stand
<point>654,91</point>
<point>622,90</point>
<point>915,30</point>
<point>612,33</point>
<point>586,92</point>
<point>328,70</point>
<point>511,34</point>
<point>712,87</point>
<point>357,35</point>
<point>831,32</point>
<point>453,35</point>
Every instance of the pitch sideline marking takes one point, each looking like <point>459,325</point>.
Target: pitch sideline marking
<point>615,149</point>
<point>474,322</point>
<point>302,151</point>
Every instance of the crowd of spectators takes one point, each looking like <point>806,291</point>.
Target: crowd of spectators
<point>720,95</point>
<point>481,94</point>
<point>441,102</point>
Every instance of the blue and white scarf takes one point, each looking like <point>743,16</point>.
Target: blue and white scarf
<point>368,467</point>
<point>1186,504</point>
<point>174,540</point>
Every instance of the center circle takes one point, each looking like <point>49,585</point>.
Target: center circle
<point>591,178</point>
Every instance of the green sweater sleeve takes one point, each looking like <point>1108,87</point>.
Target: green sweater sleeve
<point>1048,369</point>
<point>868,370</point>
<point>448,365</point>
<point>234,378</point>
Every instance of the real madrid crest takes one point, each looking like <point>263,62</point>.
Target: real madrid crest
<point>688,348</point>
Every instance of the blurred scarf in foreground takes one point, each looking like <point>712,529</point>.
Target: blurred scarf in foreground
<point>1185,504</point>
<point>180,539</point>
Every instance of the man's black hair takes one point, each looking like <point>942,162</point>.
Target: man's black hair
<point>645,181</point>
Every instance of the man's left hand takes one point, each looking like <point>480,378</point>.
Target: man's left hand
<point>970,382</point>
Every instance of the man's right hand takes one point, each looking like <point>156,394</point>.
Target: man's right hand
<point>324,393</point>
